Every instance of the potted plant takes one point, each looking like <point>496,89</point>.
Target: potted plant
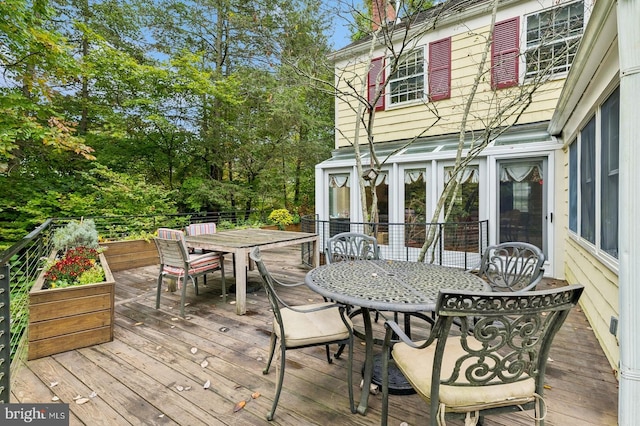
<point>71,304</point>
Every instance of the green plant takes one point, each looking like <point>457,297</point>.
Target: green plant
<point>76,234</point>
<point>281,217</point>
<point>226,224</point>
<point>95,274</point>
<point>77,266</point>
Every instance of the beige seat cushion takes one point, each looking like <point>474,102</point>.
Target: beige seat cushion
<point>312,327</point>
<point>416,364</point>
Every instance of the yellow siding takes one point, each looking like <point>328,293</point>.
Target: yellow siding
<point>411,120</point>
<point>600,298</point>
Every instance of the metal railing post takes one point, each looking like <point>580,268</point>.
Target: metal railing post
<point>5,335</point>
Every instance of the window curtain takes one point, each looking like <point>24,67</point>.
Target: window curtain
<point>380,179</point>
<point>339,181</point>
<point>412,176</point>
<point>469,175</point>
<point>520,173</point>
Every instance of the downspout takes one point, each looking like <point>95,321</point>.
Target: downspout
<point>629,275</point>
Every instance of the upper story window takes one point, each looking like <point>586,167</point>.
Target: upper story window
<point>552,38</point>
<point>407,82</point>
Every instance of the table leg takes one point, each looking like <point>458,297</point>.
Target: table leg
<point>241,281</point>
<point>368,362</point>
<point>316,254</point>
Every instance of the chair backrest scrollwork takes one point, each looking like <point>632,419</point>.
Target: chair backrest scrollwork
<point>351,246</point>
<point>512,266</point>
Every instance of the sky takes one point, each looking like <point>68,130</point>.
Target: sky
<point>339,35</point>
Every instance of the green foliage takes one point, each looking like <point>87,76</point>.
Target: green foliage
<point>76,234</point>
<point>281,217</point>
<point>146,108</point>
<point>95,274</point>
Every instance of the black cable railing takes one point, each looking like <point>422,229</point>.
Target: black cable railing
<point>456,244</point>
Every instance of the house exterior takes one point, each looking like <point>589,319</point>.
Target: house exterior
<point>513,182</point>
<point>597,122</point>
<point>586,123</point>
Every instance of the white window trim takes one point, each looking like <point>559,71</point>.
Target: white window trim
<point>523,40</point>
<point>390,105</point>
<point>594,249</point>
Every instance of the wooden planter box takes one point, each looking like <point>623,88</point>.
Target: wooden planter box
<point>123,255</point>
<point>63,319</point>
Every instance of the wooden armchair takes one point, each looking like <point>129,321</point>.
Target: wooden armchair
<point>176,262</point>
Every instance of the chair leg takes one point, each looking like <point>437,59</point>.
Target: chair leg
<point>272,349</point>
<point>183,294</point>
<point>279,384</point>
<point>329,360</point>
<point>340,350</point>
<point>224,284</point>
<point>195,283</point>
<point>159,291</point>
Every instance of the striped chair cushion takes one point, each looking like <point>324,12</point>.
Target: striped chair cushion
<point>201,228</point>
<point>199,264</point>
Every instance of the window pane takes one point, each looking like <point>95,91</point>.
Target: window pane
<point>609,166</point>
<point>573,187</point>
<point>521,202</point>
<point>407,83</point>
<point>466,203</point>
<point>588,182</point>
<point>552,38</point>
<point>339,196</point>
<point>415,207</point>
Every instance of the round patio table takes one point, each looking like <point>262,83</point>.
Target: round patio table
<point>387,285</point>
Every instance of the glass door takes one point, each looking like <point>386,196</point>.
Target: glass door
<point>522,203</point>
<point>339,203</point>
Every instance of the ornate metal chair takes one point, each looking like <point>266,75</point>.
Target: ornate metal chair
<point>177,263</point>
<point>302,326</point>
<point>512,266</point>
<point>351,246</point>
<point>495,363</point>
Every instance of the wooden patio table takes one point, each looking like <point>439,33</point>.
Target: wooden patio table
<point>387,285</point>
<point>241,241</point>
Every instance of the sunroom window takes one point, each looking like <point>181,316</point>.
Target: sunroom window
<point>407,82</point>
<point>552,38</point>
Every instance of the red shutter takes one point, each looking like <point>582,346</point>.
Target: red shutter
<point>440,69</point>
<point>377,68</point>
<point>504,53</point>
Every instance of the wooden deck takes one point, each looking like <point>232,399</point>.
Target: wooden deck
<point>154,371</point>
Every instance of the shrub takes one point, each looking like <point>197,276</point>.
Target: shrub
<point>76,234</point>
<point>281,217</point>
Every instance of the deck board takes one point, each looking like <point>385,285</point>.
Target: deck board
<point>136,377</point>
